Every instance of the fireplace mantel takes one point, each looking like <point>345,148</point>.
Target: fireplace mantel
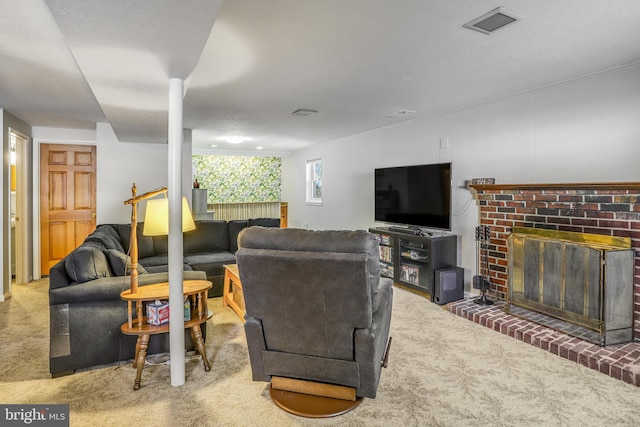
<point>559,186</point>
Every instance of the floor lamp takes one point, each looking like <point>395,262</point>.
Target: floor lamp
<point>156,223</point>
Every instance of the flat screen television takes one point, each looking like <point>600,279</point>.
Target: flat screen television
<point>415,196</point>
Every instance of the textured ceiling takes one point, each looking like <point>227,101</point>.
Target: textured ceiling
<point>248,64</point>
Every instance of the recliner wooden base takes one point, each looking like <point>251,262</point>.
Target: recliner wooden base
<point>312,400</point>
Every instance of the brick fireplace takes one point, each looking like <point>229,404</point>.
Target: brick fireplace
<point>610,209</point>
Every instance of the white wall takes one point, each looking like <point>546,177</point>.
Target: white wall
<point>585,130</point>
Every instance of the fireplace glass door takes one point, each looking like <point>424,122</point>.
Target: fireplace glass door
<point>568,277</point>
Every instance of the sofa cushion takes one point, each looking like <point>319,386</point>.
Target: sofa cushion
<point>195,240</point>
<point>209,236</point>
<point>264,222</point>
<point>85,263</point>
<point>111,231</point>
<point>145,243</point>
<point>121,263</point>
<point>157,269</point>
<point>212,262</point>
<point>106,239</point>
<point>165,268</point>
<point>154,261</point>
<point>161,244</point>
<point>235,227</point>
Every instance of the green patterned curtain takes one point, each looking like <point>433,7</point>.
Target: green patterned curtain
<point>233,179</point>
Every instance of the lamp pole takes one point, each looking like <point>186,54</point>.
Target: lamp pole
<point>176,312</point>
<point>133,240</point>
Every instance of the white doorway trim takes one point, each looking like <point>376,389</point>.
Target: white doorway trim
<point>23,219</point>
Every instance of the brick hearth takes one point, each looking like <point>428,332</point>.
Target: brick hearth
<point>620,361</point>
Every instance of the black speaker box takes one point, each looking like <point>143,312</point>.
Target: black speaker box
<point>449,285</point>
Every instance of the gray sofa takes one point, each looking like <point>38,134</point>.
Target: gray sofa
<point>84,288</point>
<point>316,306</point>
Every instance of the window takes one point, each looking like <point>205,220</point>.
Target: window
<point>314,182</point>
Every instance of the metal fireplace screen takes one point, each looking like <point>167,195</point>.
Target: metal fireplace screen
<point>583,279</point>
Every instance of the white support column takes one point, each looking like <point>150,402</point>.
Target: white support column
<point>176,312</point>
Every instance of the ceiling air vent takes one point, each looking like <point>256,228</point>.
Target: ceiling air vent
<point>492,21</point>
<point>304,112</point>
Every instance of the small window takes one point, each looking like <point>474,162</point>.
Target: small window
<point>314,182</point>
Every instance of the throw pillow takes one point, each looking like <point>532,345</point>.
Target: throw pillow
<point>86,263</point>
<point>121,263</point>
<point>105,239</point>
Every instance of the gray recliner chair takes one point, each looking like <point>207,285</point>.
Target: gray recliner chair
<point>317,309</point>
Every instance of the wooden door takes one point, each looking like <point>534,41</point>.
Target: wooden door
<point>67,200</point>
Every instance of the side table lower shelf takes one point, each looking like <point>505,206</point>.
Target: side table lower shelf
<point>196,290</point>
<point>144,332</point>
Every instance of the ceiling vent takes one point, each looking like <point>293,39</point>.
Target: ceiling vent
<point>492,21</point>
<point>304,112</point>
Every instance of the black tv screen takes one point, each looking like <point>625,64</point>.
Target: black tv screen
<point>418,196</point>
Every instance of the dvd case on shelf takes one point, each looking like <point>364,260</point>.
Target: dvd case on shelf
<point>386,270</point>
<point>409,273</point>
<point>386,254</point>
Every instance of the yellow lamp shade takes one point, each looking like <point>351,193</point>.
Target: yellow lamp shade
<point>156,217</point>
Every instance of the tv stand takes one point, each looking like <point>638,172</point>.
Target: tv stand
<point>406,230</point>
<point>411,257</point>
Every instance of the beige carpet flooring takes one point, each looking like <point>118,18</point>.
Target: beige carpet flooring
<point>443,371</point>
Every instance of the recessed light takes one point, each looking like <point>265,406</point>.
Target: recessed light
<point>213,146</point>
<point>259,148</point>
<point>304,112</point>
<point>235,139</point>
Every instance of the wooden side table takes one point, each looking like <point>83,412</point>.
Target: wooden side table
<point>196,290</point>
<point>232,295</point>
